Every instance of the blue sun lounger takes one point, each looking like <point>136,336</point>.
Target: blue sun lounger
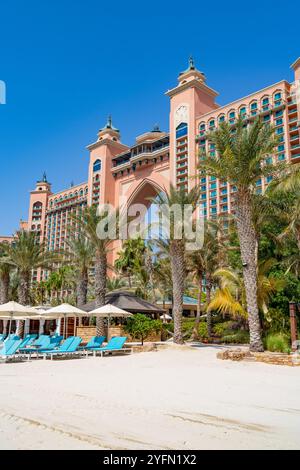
<point>69,347</point>
<point>95,342</point>
<point>2,338</point>
<point>114,345</point>
<point>10,349</point>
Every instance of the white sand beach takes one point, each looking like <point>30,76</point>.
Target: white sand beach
<point>173,399</point>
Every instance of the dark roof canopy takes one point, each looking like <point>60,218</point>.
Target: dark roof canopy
<point>126,301</point>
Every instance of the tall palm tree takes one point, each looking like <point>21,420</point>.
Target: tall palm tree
<point>81,255</point>
<point>5,269</point>
<point>195,265</point>
<point>27,254</point>
<point>176,249</point>
<point>88,226</point>
<point>241,161</point>
<point>132,249</point>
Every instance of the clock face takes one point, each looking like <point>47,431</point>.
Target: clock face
<point>181,115</point>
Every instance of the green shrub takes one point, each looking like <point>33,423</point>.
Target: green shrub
<point>277,342</point>
<point>221,329</point>
<point>140,326</point>
<point>203,330</point>
<point>240,337</point>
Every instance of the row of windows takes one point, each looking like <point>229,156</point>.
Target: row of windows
<point>253,107</point>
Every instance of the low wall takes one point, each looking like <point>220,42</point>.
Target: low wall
<point>87,332</point>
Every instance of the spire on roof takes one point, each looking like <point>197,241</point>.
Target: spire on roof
<point>109,125</point>
<point>156,128</point>
<point>44,178</point>
<point>192,67</point>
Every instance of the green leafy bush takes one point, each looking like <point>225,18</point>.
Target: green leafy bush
<point>240,337</point>
<point>221,329</point>
<point>140,326</point>
<point>203,330</point>
<point>277,342</point>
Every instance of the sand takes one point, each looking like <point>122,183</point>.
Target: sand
<point>173,399</point>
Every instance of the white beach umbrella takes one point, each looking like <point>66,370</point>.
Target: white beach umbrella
<point>165,317</point>
<point>15,311</point>
<point>109,311</point>
<point>63,311</point>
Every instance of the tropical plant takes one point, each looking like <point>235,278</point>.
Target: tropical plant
<point>115,284</point>
<point>27,254</point>
<point>5,269</point>
<point>140,326</point>
<point>89,225</point>
<point>81,254</point>
<point>230,297</point>
<point>133,249</point>
<point>241,161</point>
<point>174,246</point>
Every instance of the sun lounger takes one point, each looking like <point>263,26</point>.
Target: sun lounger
<point>95,342</point>
<point>69,347</point>
<point>10,349</point>
<point>2,338</point>
<point>114,345</point>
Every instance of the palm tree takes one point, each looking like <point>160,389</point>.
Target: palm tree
<point>195,265</point>
<point>241,161</point>
<point>5,269</point>
<point>60,280</point>
<point>132,249</point>
<point>81,254</point>
<point>175,247</point>
<point>115,284</point>
<point>27,254</point>
<point>230,297</point>
<point>88,226</point>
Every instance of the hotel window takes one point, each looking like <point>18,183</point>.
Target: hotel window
<point>232,117</point>
<point>269,160</point>
<point>253,107</point>
<point>213,210</point>
<point>265,104</point>
<point>224,191</point>
<point>221,119</point>
<point>277,96</point>
<point>258,182</point>
<point>181,130</point>
<point>213,185</point>
<point>280,148</point>
<point>225,208</point>
<point>97,166</point>
<point>279,113</point>
<point>213,202</point>
<point>269,178</point>
<point>211,124</point>
<point>281,157</point>
<point>213,193</point>
<point>279,122</point>
<point>203,196</point>
<point>224,199</point>
<point>212,178</point>
<point>243,111</point>
<point>203,188</point>
<point>267,118</point>
<point>279,130</point>
<point>203,180</point>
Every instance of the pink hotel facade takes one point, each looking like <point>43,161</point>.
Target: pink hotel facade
<point>117,172</point>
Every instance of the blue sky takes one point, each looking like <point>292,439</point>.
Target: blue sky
<point>68,64</point>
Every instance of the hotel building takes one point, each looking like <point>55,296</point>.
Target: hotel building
<point>118,173</point>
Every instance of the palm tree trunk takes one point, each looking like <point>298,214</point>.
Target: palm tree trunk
<point>248,247</point>
<point>4,287</point>
<point>100,289</point>
<point>23,295</point>
<point>195,334</point>
<point>208,311</point>
<point>178,276</point>
<point>82,289</point>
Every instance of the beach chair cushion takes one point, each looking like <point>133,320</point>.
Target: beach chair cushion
<point>95,342</point>
<point>10,348</point>
<point>69,346</point>
<point>114,344</point>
